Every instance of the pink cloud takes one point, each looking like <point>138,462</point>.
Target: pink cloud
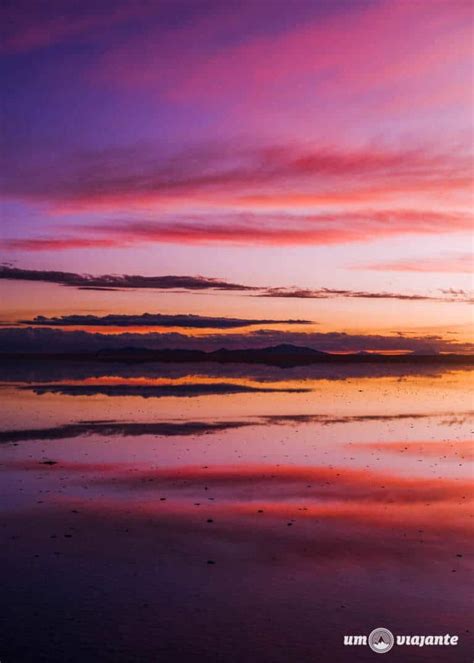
<point>392,48</point>
<point>217,174</point>
<point>454,263</point>
<point>58,243</point>
<point>250,229</point>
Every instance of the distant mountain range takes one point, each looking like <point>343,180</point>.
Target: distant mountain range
<point>277,355</point>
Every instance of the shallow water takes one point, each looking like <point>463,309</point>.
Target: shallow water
<point>230,513</point>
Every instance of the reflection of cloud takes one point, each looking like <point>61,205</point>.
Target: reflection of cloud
<point>152,320</point>
<point>183,428</point>
<point>285,483</point>
<point>151,391</point>
<point>460,449</point>
<point>146,558</point>
<point>335,512</point>
<point>331,419</point>
<point>119,429</point>
<point>303,494</point>
<point>328,533</point>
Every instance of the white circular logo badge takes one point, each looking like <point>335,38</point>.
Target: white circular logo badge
<point>381,640</point>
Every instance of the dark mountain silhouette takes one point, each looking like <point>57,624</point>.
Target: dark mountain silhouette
<point>277,355</point>
<point>288,348</point>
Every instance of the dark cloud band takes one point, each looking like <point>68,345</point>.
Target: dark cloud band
<point>153,320</point>
<point>299,347</point>
<point>112,282</point>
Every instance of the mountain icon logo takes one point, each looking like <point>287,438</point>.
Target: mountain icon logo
<point>381,640</point>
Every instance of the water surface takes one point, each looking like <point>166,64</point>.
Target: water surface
<point>230,513</point>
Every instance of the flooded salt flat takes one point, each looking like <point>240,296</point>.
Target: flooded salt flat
<point>234,514</point>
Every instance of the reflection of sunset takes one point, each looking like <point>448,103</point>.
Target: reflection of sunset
<point>349,476</point>
<point>189,379</point>
<point>461,449</point>
<point>445,394</point>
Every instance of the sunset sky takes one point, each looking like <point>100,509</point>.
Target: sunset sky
<point>307,162</point>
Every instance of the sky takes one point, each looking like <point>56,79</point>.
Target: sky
<point>304,164</point>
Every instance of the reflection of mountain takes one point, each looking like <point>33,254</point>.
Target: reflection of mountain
<point>43,370</point>
<point>283,355</point>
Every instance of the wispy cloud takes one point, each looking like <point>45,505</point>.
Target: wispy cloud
<point>450,263</point>
<point>244,195</point>
<point>154,320</point>
<point>114,282</point>
<point>448,295</point>
<point>109,282</point>
<point>119,175</point>
<point>411,42</point>
<point>279,229</point>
